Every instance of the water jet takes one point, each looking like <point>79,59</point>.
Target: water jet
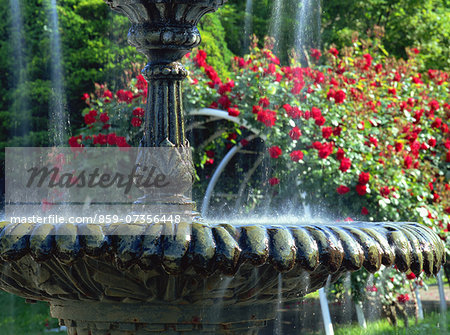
<point>142,279</point>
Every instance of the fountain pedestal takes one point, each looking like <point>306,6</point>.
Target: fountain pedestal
<point>217,279</point>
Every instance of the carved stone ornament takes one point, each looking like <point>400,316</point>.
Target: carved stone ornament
<point>195,277</point>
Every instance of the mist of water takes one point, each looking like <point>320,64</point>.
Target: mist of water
<point>223,287</point>
<point>20,102</point>
<point>59,121</point>
<point>278,320</point>
<point>275,23</point>
<point>307,34</point>
<point>248,25</point>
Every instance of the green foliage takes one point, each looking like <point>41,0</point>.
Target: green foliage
<point>431,325</point>
<point>20,318</point>
<point>93,51</point>
<point>421,24</point>
<point>213,41</point>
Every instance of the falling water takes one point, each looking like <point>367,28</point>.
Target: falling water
<point>248,26</point>
<point>278,320</point>
<point>348,304</point>
<point>275,23</point>
<point>222,290</point>
<point>59,122</point>
<point>20,103</point>
<point>307,34</point>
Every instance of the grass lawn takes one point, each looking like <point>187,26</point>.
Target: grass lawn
<point>20,318</point>
<point>431,325</point>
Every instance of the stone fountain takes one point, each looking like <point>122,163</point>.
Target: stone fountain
<point>207,278</point>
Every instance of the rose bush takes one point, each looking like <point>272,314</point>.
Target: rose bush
<point>356,134</point>
<point>364,135</point>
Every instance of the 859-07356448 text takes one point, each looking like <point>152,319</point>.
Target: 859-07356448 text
<point>99,218</point>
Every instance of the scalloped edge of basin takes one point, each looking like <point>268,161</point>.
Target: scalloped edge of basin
<point>238,267</point>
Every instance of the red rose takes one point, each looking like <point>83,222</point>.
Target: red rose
<point>364,178</point>
<point>104,117</point>
<point>233,112</point>
<point>122,142</point>
<point>437,123</point>
<point>345,164</point>
<point>244,142</point>
<point>274,181</point>
<point>296,155</point>
<point>392,91</point>
<point>432,142</point>
<point>326,150</point>
<point>209,153</point>
<point>287,108</point>
<point>275,151</point>
<point>100,139</point>
<point>385,191</point>
<point>403,298</point>
<point>75,141</point>
<point>320,121</point>
<point>361,189</point>
<point>111,139</point>
<point>232,136</point>
<point>407,162</point>
<point>337,131</point>
<point>410,276</point>
<point>315,54</point>
<point>89,119</point>
<point>317,145</point>
<point>326,132</point>
<point>136,122</point>
<point>340,154</point>
<point>334,52</point>
<point>268,117</point>
<point>107,95</point>
<point>398,146</point>
<point>85,97</point>
<point>340,97</point>
<point>257,109</point>
<point>124,96</point>
<point>264,102</point>
<point>224,101</point>
<point>368,58</point>
<point>315,113</point>
<point>342,189</point>
<point>141,82</point>
<point>434,105</point>
<point>139,112</point>
<point>364,211</point>
<point>295,133</point>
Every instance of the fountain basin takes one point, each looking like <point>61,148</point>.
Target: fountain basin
<point>212,278</point>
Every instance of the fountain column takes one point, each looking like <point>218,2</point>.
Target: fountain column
<point>164,31</point>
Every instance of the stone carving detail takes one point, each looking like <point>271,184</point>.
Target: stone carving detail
<point>200,266</point>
